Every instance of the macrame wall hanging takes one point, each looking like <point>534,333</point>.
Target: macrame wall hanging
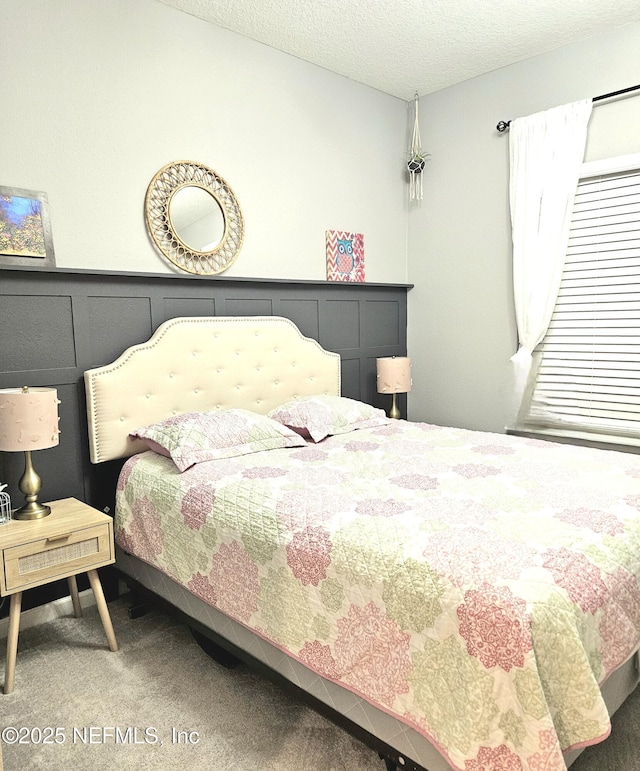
<point>417,157</point>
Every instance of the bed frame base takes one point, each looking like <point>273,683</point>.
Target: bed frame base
<point>219,654</point>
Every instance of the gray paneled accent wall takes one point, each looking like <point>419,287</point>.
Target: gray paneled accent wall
<point>56,324</point>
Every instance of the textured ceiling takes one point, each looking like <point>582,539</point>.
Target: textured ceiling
<point>406,46</point>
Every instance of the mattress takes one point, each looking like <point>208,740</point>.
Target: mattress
<point>477,588</point>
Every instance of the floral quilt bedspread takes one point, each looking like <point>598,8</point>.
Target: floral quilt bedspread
<point>476,586</point>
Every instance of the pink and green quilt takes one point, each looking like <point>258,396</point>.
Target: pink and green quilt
<point>478,587</point>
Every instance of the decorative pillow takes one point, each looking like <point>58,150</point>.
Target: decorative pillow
<point>195,437</point>
<point>320,416</point>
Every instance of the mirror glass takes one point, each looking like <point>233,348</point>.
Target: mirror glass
<point>197,218</point>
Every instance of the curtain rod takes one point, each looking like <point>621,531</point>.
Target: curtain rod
<point>504,125</point>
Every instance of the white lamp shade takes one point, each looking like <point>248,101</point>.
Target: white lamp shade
<point>28,419</point>
<point>393,375</point>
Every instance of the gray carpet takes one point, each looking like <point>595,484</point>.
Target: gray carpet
<point>161,680</point>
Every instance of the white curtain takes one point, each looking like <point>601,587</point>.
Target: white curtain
<point>546,153</point>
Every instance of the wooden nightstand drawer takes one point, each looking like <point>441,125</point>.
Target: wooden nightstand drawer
<point>57,556</point>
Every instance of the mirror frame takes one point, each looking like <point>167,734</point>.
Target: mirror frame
<point>165,184</point>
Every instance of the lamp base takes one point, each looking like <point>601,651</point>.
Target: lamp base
<point>30,486</point>
<point>395,411</point>
<point>32,510</point>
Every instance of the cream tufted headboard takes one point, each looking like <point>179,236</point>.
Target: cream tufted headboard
<point>203,363</point>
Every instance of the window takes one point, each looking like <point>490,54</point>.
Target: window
<point>587,368</point>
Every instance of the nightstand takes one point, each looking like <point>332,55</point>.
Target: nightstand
<point>74,538</point>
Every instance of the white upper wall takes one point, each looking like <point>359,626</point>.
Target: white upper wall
<point>461,321</point>
<point>98,96</point>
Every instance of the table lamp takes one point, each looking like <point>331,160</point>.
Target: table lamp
<point>29,421</point>
<point>393,377</point>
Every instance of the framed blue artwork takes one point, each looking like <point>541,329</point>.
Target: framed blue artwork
<point>25,229</point>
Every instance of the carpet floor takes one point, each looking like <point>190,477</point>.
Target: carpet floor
<point>162,703</point>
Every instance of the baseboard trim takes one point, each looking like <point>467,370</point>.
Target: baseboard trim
<point>48,612</point>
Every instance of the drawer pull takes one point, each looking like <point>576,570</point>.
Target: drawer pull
<point>53,538</point>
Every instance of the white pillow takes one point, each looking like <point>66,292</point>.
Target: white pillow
<point>194,437</point>
<point>320,416</point>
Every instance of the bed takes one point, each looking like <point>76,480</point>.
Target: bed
<point>463,600</point>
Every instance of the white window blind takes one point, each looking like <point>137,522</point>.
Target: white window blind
<point>588,379</point>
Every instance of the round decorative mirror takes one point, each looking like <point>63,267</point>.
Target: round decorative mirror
<point>194,218</point>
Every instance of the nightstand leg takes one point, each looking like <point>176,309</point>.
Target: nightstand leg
<point>102,609</point>
<point>12,640</point>
<point>75,597</point>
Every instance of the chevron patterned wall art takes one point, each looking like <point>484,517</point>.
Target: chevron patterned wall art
<point>345,256</point>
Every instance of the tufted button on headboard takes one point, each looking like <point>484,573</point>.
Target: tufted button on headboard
<point>203,363</point>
